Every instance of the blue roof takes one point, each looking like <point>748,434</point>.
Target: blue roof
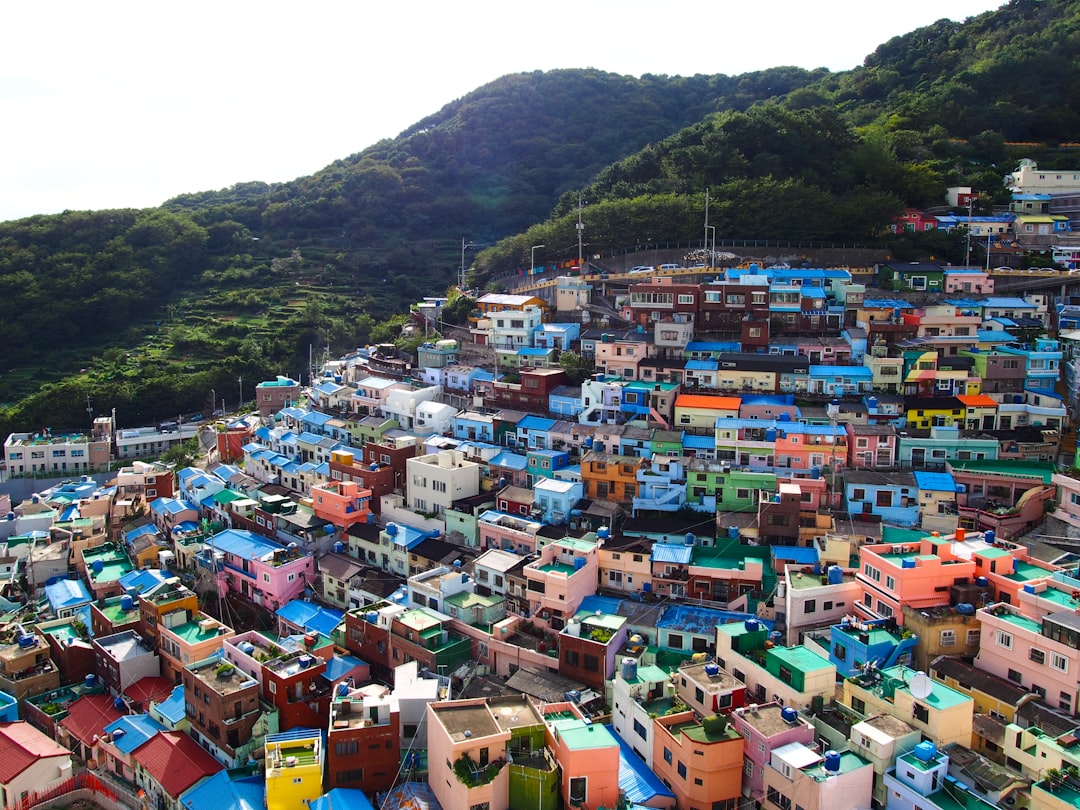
<point>222,792</point>
<point>341,799</point>
<point>406,535</point>
<point>298,733</point>
<point>139,531</point>
<point>671,553</point>
<point>886,303</point>
<point>842,371</point>
<point>341,665</point>
<point>136,729</point>
<point>702,365</point>
<point>511,461</point>
<point>768,399</point>
<point>693,441</point>
<point>695,619</point>
<point>172,708</point>
<point>605,604</point>
<point>635,779</point>
<point>536,423</point>
<point>711,346</point>
<point>796,554</point>
<point>940,481</point>
<point>67,593</point>
<point>142,579</point>
<point>169,506</point>
<point>244,544</point>
<point>310,616</point>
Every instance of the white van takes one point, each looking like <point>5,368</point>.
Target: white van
<point>664,267</point>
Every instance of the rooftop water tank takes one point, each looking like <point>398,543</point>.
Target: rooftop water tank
<point>965,609</point>
<point>96,566</point>
<point>989,536</point>
<point>339,547</point>
<point>391,529</point>
<point>373,467</point>
<point>26,641</point>
<point>785,417</point>
<point>1029,588</point>
<point>246,647</point>
<point>907,563</point>
<point>90,680</point>
<point>770,434</point>
<point>732,532</point>
<point>305,661</point>
<point>925,751</point>
<point>118,703</point>
<point>371,617</point>
<point>815,473</point>
<point>603,533</point>
<point>712,670</point>
<point>982,582</point>
<point>579,563</point>
<point>690,539</point>
<point>836,574</point>
<point>789,715</point>
<point>126,602</point>
<point>629,669</point>
<point>832,761</point>
<point>342,689</point>
<point>751,625</point>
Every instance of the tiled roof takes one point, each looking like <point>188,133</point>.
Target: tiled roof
<point>88,716</point>
<point>21,745</point>
<point>175,761</point>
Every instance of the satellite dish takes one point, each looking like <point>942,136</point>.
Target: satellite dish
<point>921,686</point>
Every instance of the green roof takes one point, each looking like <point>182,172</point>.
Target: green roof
<point>1025,571</point>
<point>558,568</point>
<point>940,697</point>
<point>1022,622</point>
<point>419,619</point>
<point>576,545</point>
<point>1043,470</point>
<point>192,633</point>
<point>464,599</point>
<point>605,620</point>
<point>800,657</point>
<point>577,736</point>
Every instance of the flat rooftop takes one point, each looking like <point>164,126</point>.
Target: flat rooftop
<point>476,719</point>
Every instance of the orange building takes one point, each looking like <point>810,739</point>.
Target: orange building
<point>701,760</point>
<point>610,477</point>
<point>343,503</point>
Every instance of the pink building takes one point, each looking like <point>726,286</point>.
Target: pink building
<point>507,532</point>
<point>1041,656</point>
<point>765,728</point>
<point>871,446</point>
<point>620,357</point>
<point>261,570</point>
<point>564,574</point>
<point>343,503</point>
<point>913,574</point>
<point>464,737</point>
<point>588,755</point>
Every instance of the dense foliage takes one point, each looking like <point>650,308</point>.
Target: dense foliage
<point>147,311</point>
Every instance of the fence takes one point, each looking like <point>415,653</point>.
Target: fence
<point>86,786</point>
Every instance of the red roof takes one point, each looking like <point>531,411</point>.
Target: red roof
<point>21,745</point>
<point>89,715</point>
<point>151,689</point>
<point>175,761</point>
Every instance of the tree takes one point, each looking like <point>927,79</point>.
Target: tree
<point>577,368</point>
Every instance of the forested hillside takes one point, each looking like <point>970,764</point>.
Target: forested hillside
<point>159,306</point>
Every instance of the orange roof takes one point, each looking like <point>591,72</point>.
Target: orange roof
<point>708,401</point>
<point>978,401</point>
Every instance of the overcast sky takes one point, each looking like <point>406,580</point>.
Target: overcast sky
<point>126,104</point>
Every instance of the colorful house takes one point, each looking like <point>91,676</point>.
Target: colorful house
<point>294,768</point>
<point>261,570</point>
<point>766,727</point>
<point>700,758</point>
<point>168,764</point>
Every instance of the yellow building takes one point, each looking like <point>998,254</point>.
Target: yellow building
<point>995,697</point>
<point>697,413</point>
<point>294,769</point>
<point>610,477</point>
<point>942,714</point>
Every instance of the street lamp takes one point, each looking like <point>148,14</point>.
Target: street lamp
<point>532,257</point>
<point>833,410</point>
<point>464,247</point>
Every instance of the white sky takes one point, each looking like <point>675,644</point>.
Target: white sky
<point>126,104</point>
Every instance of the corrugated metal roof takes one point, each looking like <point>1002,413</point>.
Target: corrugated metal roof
<point>636,781</point>
<point>671,553</point>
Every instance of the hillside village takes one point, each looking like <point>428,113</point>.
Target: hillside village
<point>803,538</point>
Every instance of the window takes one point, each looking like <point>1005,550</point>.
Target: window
<point>579,790</point>
<point>920,713</point>
<point>890,583</point>
<point>344,748</point>
<point>883,498</point>
<point>810,606</point>
<point>1004,639</point>
<point>639,729</point>
<point>1059,662</point>
<point>840,652</point>
<point>681,768</point>
<point>775,797</point>
<point>1015,676</point>
<point>948,638</point>
<point>675,641</point>
<point>973,637</point>
<point>1037,655</point>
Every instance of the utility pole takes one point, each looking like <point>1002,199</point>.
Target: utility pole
<point>706,242</point>
<point>461,275</point>
<point>240,380</point>
<point>967,249</point>
<point>580,237</point>
<point>90,410</point>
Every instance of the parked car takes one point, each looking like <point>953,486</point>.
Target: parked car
<point>641,268</point>
<point>671,267</point>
